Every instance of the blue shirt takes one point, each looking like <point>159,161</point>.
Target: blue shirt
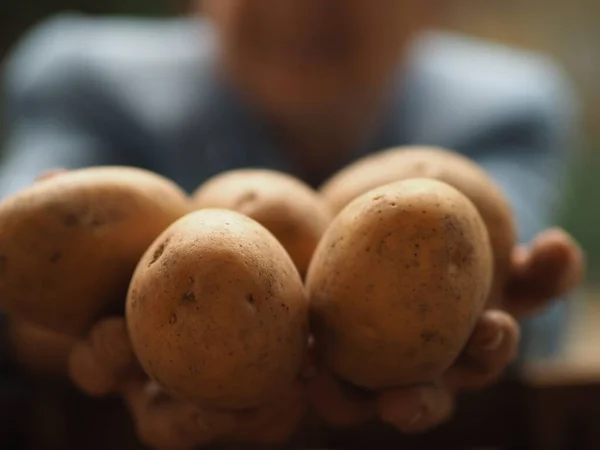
<point>83,91</point>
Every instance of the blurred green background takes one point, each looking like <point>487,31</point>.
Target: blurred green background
<point>566,29</point>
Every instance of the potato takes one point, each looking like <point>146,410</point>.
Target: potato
<point>69,244</point>
<point>397,283</point>
<point>444,165</point>
<point>287,207</point>
<point>217,312</point>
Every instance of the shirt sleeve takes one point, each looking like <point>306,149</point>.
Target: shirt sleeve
<point>53,117</point>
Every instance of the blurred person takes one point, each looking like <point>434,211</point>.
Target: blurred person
<point>305,87</point>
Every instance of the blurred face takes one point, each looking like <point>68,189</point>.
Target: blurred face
<point>295,54</point>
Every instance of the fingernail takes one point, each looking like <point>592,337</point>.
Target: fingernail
<point>416,418</point>
<point>408,428</point>
<point>309,372</point>
<point>201,423</point>
<point>494,343</point>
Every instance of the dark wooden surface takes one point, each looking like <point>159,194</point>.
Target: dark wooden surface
<point>512,416</point>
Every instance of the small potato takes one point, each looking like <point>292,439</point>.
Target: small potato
<point>291,210</point>
<point>440,164</point>
<point>70,243</point>
<point>397,283</point>
<point>217,312</point>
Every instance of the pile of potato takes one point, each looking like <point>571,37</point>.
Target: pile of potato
<point>391,262</point>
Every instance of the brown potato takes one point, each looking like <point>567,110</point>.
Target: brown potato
<point>69,244</point>
<point>217,313</point>
<point>397,283</point>
<point>444,165</point>
<point>291,210</point>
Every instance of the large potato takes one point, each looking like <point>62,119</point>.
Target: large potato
<point>397,283</point>
<point>444,165</point>
<point>217,312</point>
<point>69,244</point>
<point>291,210</point>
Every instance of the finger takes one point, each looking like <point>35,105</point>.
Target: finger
<point>568,259</point>
<point>158,429</point>
<point>165,422</point>
<point>552,266</point>
<point>87,373</point>
<point>337,404</point>
<point>492,347</point>
<point>274,422</point>
<point>520,258</point>
<point>37,349</point>
<point>185,429</point>
<point>402,407</point>
<point>50,173</point>
<point>416,409</point>
<point>112,347</point>
<point>101,363</point>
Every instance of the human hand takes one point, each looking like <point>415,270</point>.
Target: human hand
<point>491,347</point>
<point>552,265</point>
<point>104,364</point>
<point>37,350</point>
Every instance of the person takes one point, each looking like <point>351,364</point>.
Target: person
<point>305,87</point>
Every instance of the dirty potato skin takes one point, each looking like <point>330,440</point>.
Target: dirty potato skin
<point>402,163</point>
<point>397,283</point>
<point>287,207</point>
<point>70,243</point>
<point>217,312</point>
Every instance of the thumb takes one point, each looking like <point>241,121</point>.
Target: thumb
<point>551,266</point>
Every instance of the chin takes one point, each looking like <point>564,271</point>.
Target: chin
<point>295,96</point>
<point>291,104</point>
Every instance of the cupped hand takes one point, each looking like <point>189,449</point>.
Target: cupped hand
<point>104,364</point>
<point>550,267</point>
<point>492,346</point>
